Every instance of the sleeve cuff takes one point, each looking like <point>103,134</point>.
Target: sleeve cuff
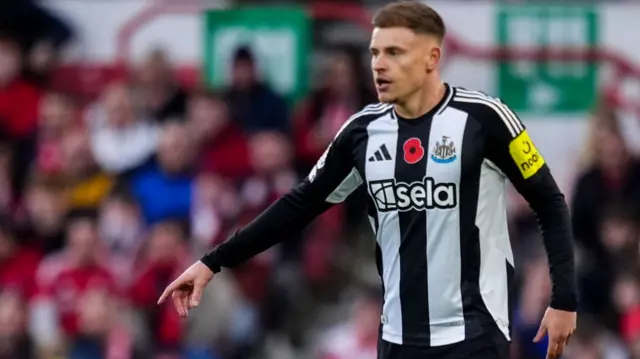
<point>564,304</point>
<point>211,262</point>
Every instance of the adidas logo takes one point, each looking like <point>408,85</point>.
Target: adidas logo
<point>381,154</point>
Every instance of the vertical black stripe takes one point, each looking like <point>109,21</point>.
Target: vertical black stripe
<point>373,213</point>
<point>385,152</point>
<point>471,163</point>
<point>511,290</point>
<point>414,294</point>
<point>378,156</point>
<point>379,266</point>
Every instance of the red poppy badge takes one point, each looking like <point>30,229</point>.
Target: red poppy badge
<point>413,150</point>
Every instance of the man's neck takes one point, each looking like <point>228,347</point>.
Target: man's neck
<point>421,102</point>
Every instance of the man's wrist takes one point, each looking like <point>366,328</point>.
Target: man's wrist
<point>211,262</point>
<point>565,304</point>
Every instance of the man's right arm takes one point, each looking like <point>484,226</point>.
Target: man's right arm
<point>332,179</point>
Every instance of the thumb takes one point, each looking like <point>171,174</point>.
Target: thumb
<point>196,295</point>
<point>541,332</point>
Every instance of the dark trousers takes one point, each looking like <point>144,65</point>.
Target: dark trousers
<point>490,345</point>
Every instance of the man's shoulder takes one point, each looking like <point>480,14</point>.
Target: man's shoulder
<point>475,101</point>
<point>373,109</point>
<point>367,114</point>
<point>482,107</point>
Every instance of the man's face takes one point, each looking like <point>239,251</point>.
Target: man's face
<point>81,240</point>
<point>56,113</point>
<point>174,150</point>
<point>244,74</point>
<point>118,105</point>
<point>208,116</point>
<point>401,61</point>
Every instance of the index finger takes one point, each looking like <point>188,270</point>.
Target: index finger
<point>168,291</point>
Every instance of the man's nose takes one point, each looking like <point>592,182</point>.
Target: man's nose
<point>379,64</point>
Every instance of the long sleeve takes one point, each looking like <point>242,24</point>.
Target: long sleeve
<point>331,180</point>
<point>512,150</point>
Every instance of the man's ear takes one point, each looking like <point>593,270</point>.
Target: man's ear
<point>433,57</point>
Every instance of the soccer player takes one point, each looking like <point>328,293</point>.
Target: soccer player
<point>435,159</point>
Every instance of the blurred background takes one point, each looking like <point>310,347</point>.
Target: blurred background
<point>137,134</point>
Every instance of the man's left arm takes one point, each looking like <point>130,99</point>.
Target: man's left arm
<point>514,153</point>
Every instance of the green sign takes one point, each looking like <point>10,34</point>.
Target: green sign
<point>547,86</point>
<point>278,36</point>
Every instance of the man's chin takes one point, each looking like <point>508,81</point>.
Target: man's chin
<point>386,98</point>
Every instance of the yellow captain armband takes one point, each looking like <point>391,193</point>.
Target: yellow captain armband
<point>526,155</point>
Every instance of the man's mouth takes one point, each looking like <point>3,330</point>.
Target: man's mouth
<point>382,84</point>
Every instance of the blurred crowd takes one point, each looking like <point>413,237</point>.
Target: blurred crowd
<point>104,202</point>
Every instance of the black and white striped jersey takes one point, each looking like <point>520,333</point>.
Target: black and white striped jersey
<point>437,206</point>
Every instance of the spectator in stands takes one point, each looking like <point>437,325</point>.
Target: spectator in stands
<point>610,174</point>
<point>18,110</point>
<point>88,185</point>
<point>161,96</point>
<point>222,163</point>
<point>214,211</point>
<point>164,188</point>
<point>626,298</point>
<point>253,103</point>
<point>18,263</point>
<point>357,338</point>
<point>41,219</point>
<point>64,278</point>
<point>122,231</point>
<point>598,274</point>
<point>121,140</point>
<point>121,222</point>
<point>18,98</point>
<point>164,256</point>
<point>344,91</point>
<point>40,32</point>
<point>57,117</point>
<point>15,341</point>
<point>272,162</point>
<point>223,146</point>
<point>101,333</point>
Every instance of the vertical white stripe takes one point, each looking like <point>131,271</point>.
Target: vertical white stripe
<point>443,236</point>
<point>495,247</point>
<point>385,131</point>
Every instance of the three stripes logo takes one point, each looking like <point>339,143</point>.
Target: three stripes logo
<point>381,154</point>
